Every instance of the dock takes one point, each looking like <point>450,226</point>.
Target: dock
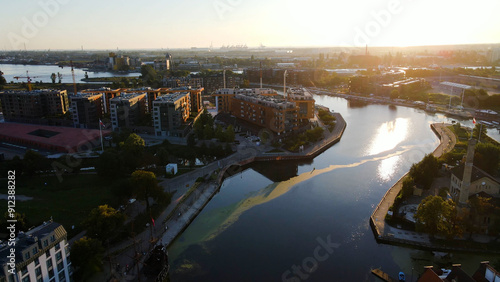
<point>383,276</point>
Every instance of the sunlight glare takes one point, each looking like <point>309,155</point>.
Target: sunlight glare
<point>389,135</point>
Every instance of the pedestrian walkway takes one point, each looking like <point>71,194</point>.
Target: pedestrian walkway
<point>127,256</point>
<point>387,233</point>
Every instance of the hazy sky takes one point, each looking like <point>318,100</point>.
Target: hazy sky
<point>127,24</point>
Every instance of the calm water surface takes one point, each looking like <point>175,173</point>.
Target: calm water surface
<point>272,218</point>
<point>43,73</point>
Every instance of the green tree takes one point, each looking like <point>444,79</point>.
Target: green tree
<point>103,222</point>
<point>191,140</point>
<point>86,257</point>
<point>134,144</point>
<point>208,132</point>
<point>424,172</point>
<point>53,77</point>
<point>407,188</point>
<point>33,162</point>
<point>229,134</point>
<point>146,186</point>
<point>110,164</point>
<point>2,80</point>
<point>437,216</point>
<point>133,152</point>
<point>219,133</point>
<point>480,130</point>
<point>487,157</point>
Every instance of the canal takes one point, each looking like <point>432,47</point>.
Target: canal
<point>310,221</point>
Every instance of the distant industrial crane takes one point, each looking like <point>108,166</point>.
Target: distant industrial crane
<point>73,74</point>
<point>28,77</point>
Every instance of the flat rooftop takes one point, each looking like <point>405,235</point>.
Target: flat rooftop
<point>171,97</point>
<point>50,138</point>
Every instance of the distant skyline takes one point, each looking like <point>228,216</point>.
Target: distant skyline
<point>126,24</point>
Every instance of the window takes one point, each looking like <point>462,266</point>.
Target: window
<point>51,273</point>
<point>58,256</point>
<point>27,255</point>
<point>37,261</point>
<point>35,250</point>
<point>60,266</point>
<point>45,243</point>
<point>24,270</point>
<point>49,263</point>
<point>38,271</point>
<point>62,277</point>
<point>52,238</point>
<point>26,279</point>
<point>58,247</point>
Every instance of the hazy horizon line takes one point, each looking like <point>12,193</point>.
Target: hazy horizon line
<point>252,48</point>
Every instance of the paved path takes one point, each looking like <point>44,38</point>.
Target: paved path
<point>377,220</point>
<point>183,211</point>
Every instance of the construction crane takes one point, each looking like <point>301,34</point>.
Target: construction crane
<point>28,77</point>
<point>73,74</point>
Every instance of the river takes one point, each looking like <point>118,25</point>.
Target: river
<point>43,73</point>
<point>272,218</point>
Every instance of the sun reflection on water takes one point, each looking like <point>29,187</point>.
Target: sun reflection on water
<point>389,135</point>
<point>387,168</point>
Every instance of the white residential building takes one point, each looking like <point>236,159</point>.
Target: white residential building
<point>41,255</point>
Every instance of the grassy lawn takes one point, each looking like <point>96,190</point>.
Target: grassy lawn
<point>68,202</point>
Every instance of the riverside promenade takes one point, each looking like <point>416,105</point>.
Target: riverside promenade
<point>388,234</point>
<point>184,208</point>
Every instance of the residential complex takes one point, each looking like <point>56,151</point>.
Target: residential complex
<point>127,110</point>
<point>170,113</point>
<point>107,94</point>
<point>265,108</point>
<point>87,110</point>
<point>30,106</point>
<point>41,254</point>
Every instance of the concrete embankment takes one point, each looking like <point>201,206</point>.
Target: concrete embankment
<point>185,212</point>
<point>387,234</point>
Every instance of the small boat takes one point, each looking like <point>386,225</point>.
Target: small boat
<point>401,276</point>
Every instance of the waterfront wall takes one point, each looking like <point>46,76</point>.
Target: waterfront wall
<point>386,234</point>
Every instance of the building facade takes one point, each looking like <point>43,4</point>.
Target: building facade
<point>260,107</point>
<point>87,110</point>
<point>107,95</point>
<point>127,110</point>
<point>41,254</point>
<point>30,106</point>
<point>170,114</point>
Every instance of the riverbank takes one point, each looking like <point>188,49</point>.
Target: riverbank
<point>384,233</point>
<point>183,211</point>
<point>188,210</point>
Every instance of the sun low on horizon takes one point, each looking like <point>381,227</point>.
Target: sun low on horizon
<point>63,24</point>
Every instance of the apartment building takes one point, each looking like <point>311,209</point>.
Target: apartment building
<point>30,106</point>
<point>170,114</point>
<point>261,107</point>
<point>87,109</point>
<point>41,254</point>
<point>127,110</point>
